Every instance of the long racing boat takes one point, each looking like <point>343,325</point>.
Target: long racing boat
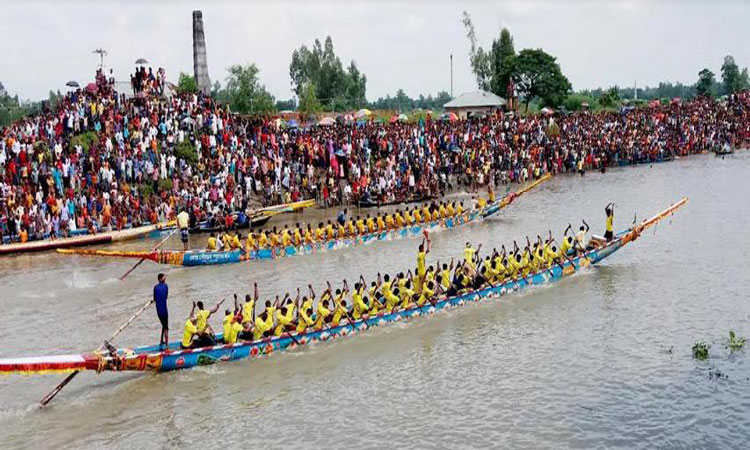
<point>205,258</point>
<point>155,359</point>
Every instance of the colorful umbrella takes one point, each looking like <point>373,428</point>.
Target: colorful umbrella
<point>326,121</point>
<point>364,112</point>
<point>91,87</point>
<point>402,117</point>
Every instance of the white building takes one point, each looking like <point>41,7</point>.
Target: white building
<point>479,102</point>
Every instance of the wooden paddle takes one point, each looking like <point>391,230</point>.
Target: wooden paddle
<point>48,398</point>
<point>153,250</point>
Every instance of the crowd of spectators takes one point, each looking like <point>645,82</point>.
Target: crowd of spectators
<point>104,160</point>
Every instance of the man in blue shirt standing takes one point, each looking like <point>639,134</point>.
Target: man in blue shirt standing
<point>161,292</point>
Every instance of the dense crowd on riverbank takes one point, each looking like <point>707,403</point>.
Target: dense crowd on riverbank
<point>101,160</point>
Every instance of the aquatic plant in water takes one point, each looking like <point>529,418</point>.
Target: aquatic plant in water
<point>700,350</point>
<point>735,342</point>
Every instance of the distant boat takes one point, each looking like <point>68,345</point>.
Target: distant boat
<point>725,150</point>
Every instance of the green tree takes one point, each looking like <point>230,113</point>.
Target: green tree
<point>308,100</point>
<point>356,87</point>
<point>502,61</point>
<point>244,92</point>
<point>284,105</point>
<point>574,102</point>
<point>610,97</point>
<point>705,85</point>
<point>186,83</point>
<point>744,80</point>
<point>537,75</point>
<point>730,76</point>
<point>334,87</point>
<point>481,61</point>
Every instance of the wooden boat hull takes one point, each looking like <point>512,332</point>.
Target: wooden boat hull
<point>207,258</point>
<point>81,240</point>
<point>152,358</point>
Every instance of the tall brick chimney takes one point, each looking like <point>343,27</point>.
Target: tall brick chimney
<point>200,65</point>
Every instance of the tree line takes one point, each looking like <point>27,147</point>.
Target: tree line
<point>538,79</point>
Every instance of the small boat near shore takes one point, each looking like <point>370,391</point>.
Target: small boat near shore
<point>81,240</point>
<point>153,359</point>
<point>204,258</point>
<point>725,150</point>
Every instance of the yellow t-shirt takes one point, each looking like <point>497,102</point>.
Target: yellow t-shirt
<point>234,332</point>
<point>202,320</point>
<point>187,335</point>
<point>420,263</point>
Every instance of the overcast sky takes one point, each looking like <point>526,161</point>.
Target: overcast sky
<point>396,44</point>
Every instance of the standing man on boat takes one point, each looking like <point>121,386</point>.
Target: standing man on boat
<point>183,222</point>
<point>609,233</point>
<point>161,292</point>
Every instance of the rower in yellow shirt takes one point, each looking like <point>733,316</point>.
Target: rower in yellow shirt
<point>460,208</point>
<point>189,334</point>
<point>297,235</point>
<point>426,214</point>
<point>407,217</point>
<point>284,319</point>
<point>380,223</point>
<point>449,209</point>
<point>469,253</point>
<point>322,311</point>
<point>304,318</point>
<point>417,216</point>
<point>320,233</point>
<point>421,268</point>
<point>309,237</point>
<point>339,307</point>
<point>262,240</point>
<point>211,247</point>
<point>286,237</point>
<point>360,225</point>
<point>399,219</point>
<point>358,304</point>
<point>251,244</point>
<point>350,229</point>
<point>389,223</point>
<point>443,211</point>
<point>263,325</point>
<point>370,224</point>
<point>248,308</point>
<point>329,231</point>
<point>235,242</point>
<point>428,290</point>
<point>202,315</point>
<point>273,238</point>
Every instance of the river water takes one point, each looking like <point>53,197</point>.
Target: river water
<point>601,359</point>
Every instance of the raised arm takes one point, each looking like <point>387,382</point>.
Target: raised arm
<point>255,291</point>
<point>216,308</point>
<point>585,224</point>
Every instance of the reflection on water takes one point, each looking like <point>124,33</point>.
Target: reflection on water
<point>583,363</point>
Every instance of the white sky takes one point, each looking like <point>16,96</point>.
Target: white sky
<point>397,44</point>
